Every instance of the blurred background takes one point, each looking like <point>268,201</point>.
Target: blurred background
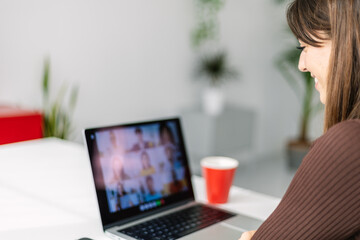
<point>136,60</point>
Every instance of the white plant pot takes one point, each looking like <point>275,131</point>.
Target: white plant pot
<point>213,101</point>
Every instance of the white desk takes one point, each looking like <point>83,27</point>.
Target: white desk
<point>47,192</point>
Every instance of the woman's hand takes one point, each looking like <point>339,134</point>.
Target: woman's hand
<point>247,235</point>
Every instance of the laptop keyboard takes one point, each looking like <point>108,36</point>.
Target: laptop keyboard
<point>178,224</point>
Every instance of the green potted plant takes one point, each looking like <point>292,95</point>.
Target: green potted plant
<point>56,116</point>
<point>216,71</point>
<point>298,147</point>
<point>287,64</point>
<point>213,65</point>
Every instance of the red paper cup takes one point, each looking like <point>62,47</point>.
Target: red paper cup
<point>218,173</point>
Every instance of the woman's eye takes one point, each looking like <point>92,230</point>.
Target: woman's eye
<point>300,48</point>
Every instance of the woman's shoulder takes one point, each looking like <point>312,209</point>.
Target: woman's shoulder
<point>348,124</point>
<point>341,141</point>
<point>345,131</point>
<point>335,154</point>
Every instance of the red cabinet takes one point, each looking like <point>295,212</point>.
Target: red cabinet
<point>17,124</point>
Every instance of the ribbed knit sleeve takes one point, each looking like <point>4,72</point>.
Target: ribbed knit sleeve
<point>323,199</point>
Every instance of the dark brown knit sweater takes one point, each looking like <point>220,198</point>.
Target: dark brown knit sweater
<point>323,200</point>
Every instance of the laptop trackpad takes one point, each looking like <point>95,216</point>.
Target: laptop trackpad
<point>244,222</point>
<point>231,228</point>
<point>215,232</point>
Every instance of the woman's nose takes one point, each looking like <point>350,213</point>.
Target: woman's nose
<point>301,65</point>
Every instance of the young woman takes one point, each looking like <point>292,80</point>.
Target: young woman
<point>323,199</point>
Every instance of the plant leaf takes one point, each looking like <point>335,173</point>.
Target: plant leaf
<point>73,98</point>
<point>287,64</point>
<point>45,81</point>
<point>215,68</point>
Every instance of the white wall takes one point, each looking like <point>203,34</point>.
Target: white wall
<point>132,59</point>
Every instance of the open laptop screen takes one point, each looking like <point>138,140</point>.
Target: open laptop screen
<point>138,168</point>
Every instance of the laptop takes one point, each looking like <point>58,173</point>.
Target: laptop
<point>143,185</point>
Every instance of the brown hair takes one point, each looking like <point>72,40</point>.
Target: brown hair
<point>313,21</point>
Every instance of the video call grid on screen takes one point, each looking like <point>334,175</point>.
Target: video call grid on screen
<point>141,164</point>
